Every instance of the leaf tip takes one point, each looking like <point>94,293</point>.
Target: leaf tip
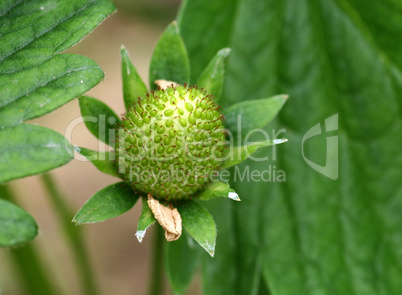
<point>82,100</point>
<point>224,52</point>
<point>80,219</point>
<point>174,27</point>
<point>76,148</point>
<point>209,248</point>
<point>79,151</point>
<point>123,52</point>
<point>280,140</point>
<point>140,235</point>
<point>234,196</point>
<point>75,221</point>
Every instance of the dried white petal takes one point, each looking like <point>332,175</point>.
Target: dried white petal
<point>168,218</point>
<point>163,84</point>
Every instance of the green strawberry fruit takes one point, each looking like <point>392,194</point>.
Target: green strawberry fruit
<point>170,142</point>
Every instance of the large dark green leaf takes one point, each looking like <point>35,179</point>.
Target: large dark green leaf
<point>16,225</point>
<point>29,149</point>
<point>34,81</point>
<point>205,28</point>
<point>316,235</point>
<point>34,31</point>
<point>39,90</point>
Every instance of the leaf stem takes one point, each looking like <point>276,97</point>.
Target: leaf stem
<point>156,281</point>
<point>73,234</point>
<point>27,261</point>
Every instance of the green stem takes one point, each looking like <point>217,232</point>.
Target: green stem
<point>73,235</point>
<point>156,280</point>
<point>27,261</point>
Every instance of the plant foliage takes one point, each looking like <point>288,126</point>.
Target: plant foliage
<point>35,80</point>
<point>169,62</point>
<point>310,234</point>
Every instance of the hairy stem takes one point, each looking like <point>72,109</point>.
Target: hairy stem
<point>27,261</point>
<point>156,281</point>
<point>73,235</point>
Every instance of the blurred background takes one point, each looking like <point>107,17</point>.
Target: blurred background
<point>120,262</point>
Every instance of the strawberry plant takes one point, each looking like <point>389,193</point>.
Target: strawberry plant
<point>319,214</point>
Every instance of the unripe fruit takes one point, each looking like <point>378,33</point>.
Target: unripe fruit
<point>170,142</point>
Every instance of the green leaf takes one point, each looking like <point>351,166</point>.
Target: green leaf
<point>16,225</point>
<point>146,220</point>
<point>169,60</point>
<point>28,149</point>
<point>100,120</point>
<point>237,154</point>
<point>109,202</point>
<point>327,236</point>
<point>205,28</point>
<point>34,82</point>
<point>212,77</point>
<point>104,161</point>
<point>182,260</point>
<point>39,90</point>
<point>199,224</point>
<point>133,86</point>
<point>246,117</point>
<point>33,32</point>
<point>217,190</point>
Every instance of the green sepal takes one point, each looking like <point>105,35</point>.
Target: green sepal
<point>246,116</point>
<point>146,220</point>
<point>218,189</point>
<point>170,60</point>
<point>199,224</point>
<point>133,86</point>
<point>104,161</point>
<point>16,225</point>
<point>211,79</point>
<point>107,203</point>
<point>100,120</point>
<point>182,260</point>
<point>237,154</point>
<point>27,149</point>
